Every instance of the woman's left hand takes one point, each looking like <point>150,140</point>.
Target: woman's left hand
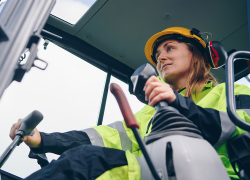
<point>155,91</point>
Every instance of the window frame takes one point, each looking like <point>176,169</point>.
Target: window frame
<point>91,55</point>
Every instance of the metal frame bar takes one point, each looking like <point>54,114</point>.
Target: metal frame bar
<point>19,21</point>
<point>87,52</point>
<point>248,17</point>
<point>4,174</point>
<point>104,99</point>
<point>230,97</point>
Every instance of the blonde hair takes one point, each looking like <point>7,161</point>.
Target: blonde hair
<point>199,72</point>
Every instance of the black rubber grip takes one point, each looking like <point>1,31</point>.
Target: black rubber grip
<point>29,123</point>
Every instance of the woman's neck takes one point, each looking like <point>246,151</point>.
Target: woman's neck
<point>178,85</point>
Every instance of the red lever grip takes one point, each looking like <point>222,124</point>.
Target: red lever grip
<point>124,106</point>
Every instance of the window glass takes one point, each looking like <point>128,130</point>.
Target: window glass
<point>68,93</point>
<point>112,111</point>
<point>2,3</point>
<point>71,10</point>
<point>244,81</point>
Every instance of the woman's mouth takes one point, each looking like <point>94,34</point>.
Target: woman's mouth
<point>165,65</point>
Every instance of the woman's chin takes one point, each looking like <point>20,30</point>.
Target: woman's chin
<point>168,77</point>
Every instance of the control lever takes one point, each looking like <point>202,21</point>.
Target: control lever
<point>137,82</point>
<point>26,128</point>
<point>132,123</point>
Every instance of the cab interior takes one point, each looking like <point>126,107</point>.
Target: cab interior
<point>111,36</point>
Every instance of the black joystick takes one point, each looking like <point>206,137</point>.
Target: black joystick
<point>26,128</point>
<point>167,120</point>
<point>138,80</point>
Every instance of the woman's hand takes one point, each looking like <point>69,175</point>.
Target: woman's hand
<point>33,141</point>
<point>155,91</point>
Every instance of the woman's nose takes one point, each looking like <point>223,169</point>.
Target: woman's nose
<point>162,56</point>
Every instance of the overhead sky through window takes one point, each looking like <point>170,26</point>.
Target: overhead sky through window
<point>71,10</point>
<point>2,3</point>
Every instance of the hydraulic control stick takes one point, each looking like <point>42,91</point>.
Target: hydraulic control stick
<point>167,120</point>
<point>26,128</point>
<point>138,80</point>
<point>131,123</point>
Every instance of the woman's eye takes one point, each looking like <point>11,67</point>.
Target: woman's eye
<point>169,48</point>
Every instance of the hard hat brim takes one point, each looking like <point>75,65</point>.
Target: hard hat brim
<point>175,30</point>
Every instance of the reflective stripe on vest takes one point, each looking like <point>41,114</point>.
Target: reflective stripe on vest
<point>227,129</point>
<point>126,142</point>
<point>94,137</point>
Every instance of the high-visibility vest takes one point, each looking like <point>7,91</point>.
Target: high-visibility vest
<point>118,136</point>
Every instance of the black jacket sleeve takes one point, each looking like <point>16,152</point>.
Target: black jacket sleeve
<point>207,120</point>
<point>60,142</point>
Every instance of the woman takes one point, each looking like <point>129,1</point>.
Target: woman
<point>184,82</point>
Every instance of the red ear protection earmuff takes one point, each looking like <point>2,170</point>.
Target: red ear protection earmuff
<point>217,54</point>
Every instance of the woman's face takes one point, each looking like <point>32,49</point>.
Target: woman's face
<point>173,61</point>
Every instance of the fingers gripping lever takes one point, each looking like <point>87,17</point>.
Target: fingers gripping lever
<point>26,126</point>
<point>29,123</point>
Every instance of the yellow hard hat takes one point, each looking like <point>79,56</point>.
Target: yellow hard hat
<point>170,33</point>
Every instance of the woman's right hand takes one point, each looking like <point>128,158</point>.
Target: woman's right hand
<point>33,141</point>
<point>156,91</point>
